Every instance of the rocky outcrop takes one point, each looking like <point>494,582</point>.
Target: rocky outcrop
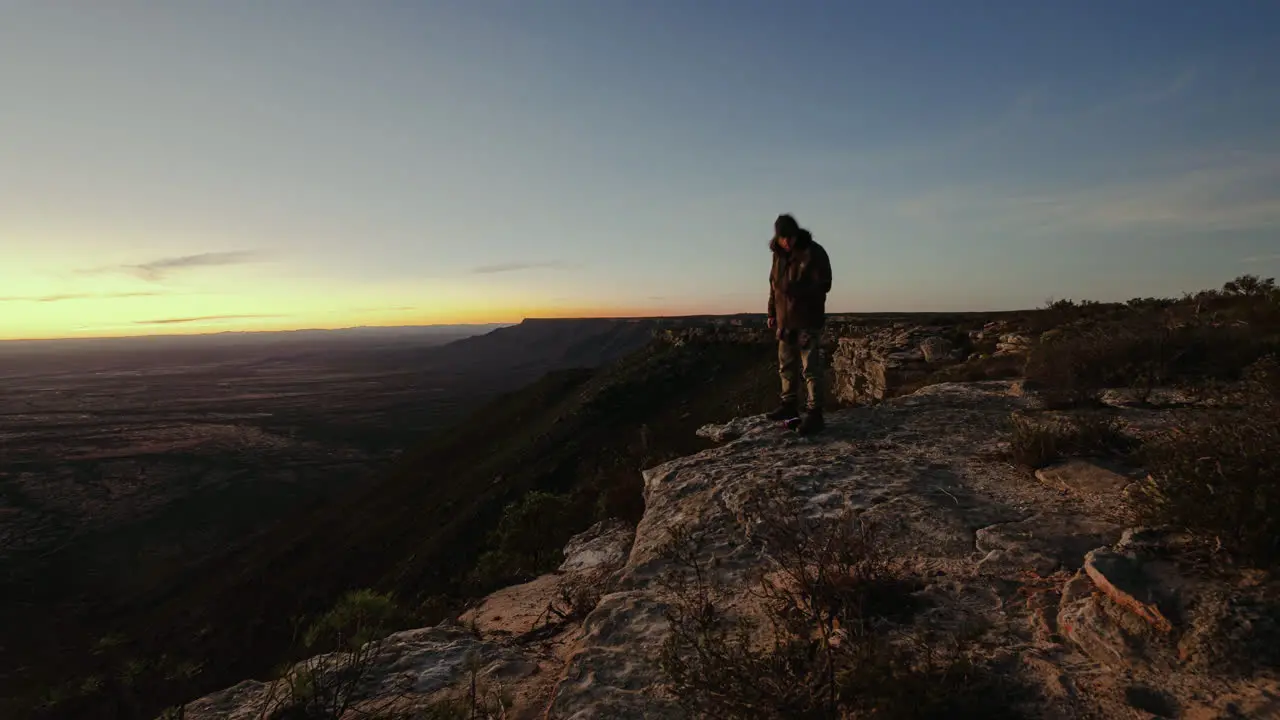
<point>1041,576</point>
<point>749,332</point>
<point>679,336</point>
<point>1013,344</point>
<point>879,364</point>
<point>396,673</point>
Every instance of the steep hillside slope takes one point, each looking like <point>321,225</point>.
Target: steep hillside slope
<point>534,347</point>
<point>581,434</point>
<point>129,466</point>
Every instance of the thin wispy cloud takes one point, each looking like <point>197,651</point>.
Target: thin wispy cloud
<point>1226,193</point>
<point>205,318</point>
<point>1155,93</point>
<point>1041,106</point>
<point>517,267</point>
<point>75,296</point>
<point>159,269</point>
<point>1273,257</point>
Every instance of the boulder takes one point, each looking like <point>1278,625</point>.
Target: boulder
<point>936,349</point>
<point>600,550</point>
<point>1013,344</point>
<point>872,367</point>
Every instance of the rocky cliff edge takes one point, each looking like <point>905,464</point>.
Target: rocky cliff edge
<point>1042,574</point>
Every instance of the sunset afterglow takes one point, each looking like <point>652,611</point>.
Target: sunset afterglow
<point>181,168</point>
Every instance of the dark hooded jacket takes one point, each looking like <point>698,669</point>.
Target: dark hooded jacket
<point>798,284</point>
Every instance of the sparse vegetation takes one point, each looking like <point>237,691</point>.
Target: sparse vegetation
<point>1216,472</point>
<point>325,687</point>
<point>1211,335</point>
<point>989,367</point>
<point>1219,472</point>
<point>528,539</point>
<point>1037,442</point>
<point>479,700</point>
<point>576,600</point>
<point>818,638</point>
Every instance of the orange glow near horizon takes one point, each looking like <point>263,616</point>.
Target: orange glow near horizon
<point>172,321</point>
<point>50,299</point>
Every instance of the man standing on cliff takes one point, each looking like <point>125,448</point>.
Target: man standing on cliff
<point>798,285</point>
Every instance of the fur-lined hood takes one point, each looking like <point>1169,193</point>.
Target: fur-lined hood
<point>803,239</point>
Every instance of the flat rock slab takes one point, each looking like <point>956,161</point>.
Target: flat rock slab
<point>1083,477</point>
<point>1043,543</point>
<point>515,610</point>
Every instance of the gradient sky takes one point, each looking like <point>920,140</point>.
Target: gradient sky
<point>201,166</point>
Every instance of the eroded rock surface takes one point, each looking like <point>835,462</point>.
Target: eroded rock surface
<point>876,365</point>
<point>405,670</point>
<point>914,465</point>
<point>1041,574</point>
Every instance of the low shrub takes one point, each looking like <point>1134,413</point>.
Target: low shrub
<point>528,540</point>
<point>325,687</point>
<point>1218,474</point>
<point>990,367</point>
<point>1037,443</point>
<point>1070,368</point>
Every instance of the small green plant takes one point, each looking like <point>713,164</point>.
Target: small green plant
<point>327,686</point>
<point>528,539</point>
<point>107,643</point>
<point>360,617</point>
<point>91,684</point>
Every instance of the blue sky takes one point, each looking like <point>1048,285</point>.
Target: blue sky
<point>218,165</point>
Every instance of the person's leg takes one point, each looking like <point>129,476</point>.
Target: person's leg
<point>788,373</point>
<point>810,352</point>
<point>812,368</point>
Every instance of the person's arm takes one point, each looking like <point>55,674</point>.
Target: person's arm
<point>821,269</point>
<point>817,276</point>
<point>773,309</point>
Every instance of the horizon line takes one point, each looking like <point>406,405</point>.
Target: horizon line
<point>538,318</point>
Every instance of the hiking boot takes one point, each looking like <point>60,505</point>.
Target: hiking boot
<point>784,412</point>
<point>811,423</point>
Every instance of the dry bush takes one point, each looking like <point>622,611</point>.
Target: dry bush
<point>1218,474</point>
<point>990,367</point>
<point>1057,313</point>
<point>1037,444</point>
<point>827,645</point>
<point>575,600</point>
